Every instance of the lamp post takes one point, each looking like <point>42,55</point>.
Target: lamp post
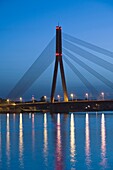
<point>8,101</point>
<point>72,95</point>
<point>58,97</point>
<point>20,99</point>
<point>86,96</point>
<point>102,95</point>
<point>33,99</point>
<point>45,98</point>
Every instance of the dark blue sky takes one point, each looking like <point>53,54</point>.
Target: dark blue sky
<point>27,26</point>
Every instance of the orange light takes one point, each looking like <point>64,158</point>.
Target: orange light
<point>58,28</point>
<point>58,54</point>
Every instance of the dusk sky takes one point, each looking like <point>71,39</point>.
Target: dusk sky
<point>26,27</point>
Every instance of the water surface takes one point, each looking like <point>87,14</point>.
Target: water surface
<point>56,141</point>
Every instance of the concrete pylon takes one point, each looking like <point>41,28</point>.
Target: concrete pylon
<point>59,62</point>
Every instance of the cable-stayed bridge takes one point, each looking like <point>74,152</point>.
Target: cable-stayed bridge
<point>81,57</point>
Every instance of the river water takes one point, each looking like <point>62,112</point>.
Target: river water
<point>71,141</point>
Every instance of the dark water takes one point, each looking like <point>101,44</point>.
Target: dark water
<point>56,142</point>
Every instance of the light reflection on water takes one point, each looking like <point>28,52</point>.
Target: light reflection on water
<point>72,141</point>
<point>58,144</point>
<point>87,147</point>
<point>21,141</point>
<point>8,141</point>
<point>58,141</point>
<point>45,139</point>
<point>103,142</point>
<point>0,143</point>
<point>33,132</point>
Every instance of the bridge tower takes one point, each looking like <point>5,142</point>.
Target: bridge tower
<point>59,62</point>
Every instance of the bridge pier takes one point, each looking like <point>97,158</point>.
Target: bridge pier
<point>59,62</point>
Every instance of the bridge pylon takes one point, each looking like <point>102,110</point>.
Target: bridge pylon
<point>59,62</point>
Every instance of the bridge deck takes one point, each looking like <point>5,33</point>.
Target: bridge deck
<point>70,106</point>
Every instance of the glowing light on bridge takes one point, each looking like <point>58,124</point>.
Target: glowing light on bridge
<point>72,96</point>
<point>8,101</point>
<point>45,98</point>
<point>87,96</point>
<point>58,97</point>
<point>58,54</point>
<point>58,28</point>
<point>102,95</point>
<point>33,99</point>
<point>21,99</point>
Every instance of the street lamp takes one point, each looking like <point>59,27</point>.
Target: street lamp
<point>86,95</point>
<point>45,98</point>
<point>8,101</point>
<point>102,94</point>
<point>33,99</point>
<point>72,95</point>
<point>58,97</point>
<point>20,99</point>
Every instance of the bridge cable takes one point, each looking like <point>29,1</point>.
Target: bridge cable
<point>89,69</point>
<point>89,56</point>
<point>80,76</point>
<point>87,45</point>
<point>35,71</point>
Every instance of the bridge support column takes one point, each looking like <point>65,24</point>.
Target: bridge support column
<point>59,62</point>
